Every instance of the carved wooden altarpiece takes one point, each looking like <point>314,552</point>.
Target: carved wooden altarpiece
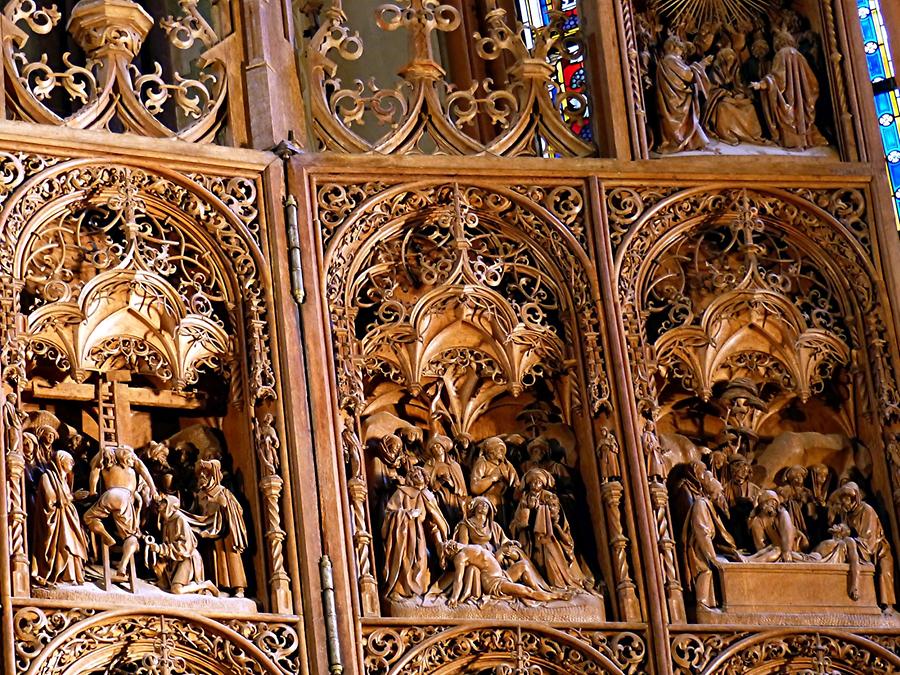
<point>486,368</point>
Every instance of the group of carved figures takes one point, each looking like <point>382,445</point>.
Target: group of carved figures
<point>751,82</point>
<point>73,530</point>
<point>503,534</point>
<point>727,517</point>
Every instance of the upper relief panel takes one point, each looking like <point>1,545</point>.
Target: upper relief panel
<point>162,69</point>
<point>446,80</point>
<point>744,78</point>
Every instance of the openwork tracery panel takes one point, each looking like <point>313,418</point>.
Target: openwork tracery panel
<point>505,103</point>
<point>473,393</point>
<point>141,425</point>
<point>762,372</point>
<point>168,76</point>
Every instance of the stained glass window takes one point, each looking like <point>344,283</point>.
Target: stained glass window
<point>884,83</point>
<point>567,60</point>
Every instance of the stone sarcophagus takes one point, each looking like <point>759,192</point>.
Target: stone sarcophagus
<point>782,594</point>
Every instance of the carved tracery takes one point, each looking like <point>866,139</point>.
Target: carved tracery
<point>758,393</point>
<point>426,112</point>
<point>139,393</point>
<point>461,318</point>
<point>117,77</point>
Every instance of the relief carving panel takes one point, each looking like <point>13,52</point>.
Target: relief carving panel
<point>767,397</point>
<point>473,394</point>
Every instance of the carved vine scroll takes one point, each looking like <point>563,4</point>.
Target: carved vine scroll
<point>112,80</point>
<point>425,112</point>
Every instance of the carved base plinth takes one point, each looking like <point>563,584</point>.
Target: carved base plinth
<point>147,595</point>
<point>582,608</point>
<point>786,594</point>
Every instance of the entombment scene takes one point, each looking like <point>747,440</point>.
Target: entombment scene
<point>463,420</point>
<point>734,78</point>
<point>764,442</point>
<point>130,454</point>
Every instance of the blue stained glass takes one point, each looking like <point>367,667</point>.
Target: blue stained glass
<point>887,103</point>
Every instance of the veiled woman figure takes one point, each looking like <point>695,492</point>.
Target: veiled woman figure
<point>59,542</point>
<point>224,522</point>
<point>730,114</point>
<point>410,509</point>
<point>445,476</point>
<point>542,528</point>
<point>679,86</point>
<point>479,527</point>
<point>789,94</point>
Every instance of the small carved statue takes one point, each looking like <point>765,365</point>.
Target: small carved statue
<point>798,500</point>
<point>789,94</point>
<point>705,536</point>
<point>541,526</point>
<point>608,452</point>
<point>46,437</point>
<point>730,114</point>
<point>866,529</point>
<point>60,545</point>
<point>267,444</point>
<point>679,87</point>
<point>657,469</point>
<point>479,527</point>
<point>841,547</point>
<point>119,470</point>
<point>445,476</point>
<point>821,481</point>
<point>774,536</point>
<point>223,519</point>
<point>492,474</point>
<point>739,486</point>
<point>408,511</point>
<point>495,583</point>
<point>178,564</point>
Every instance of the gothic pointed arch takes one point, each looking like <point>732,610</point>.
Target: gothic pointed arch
<point>749,345</point>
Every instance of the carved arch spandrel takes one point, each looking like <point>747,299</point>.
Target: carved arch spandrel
<point>791,652</point>
<point>684,310</point>
<point>161,642</point>
<point>511,649</point>
<point>455,235</point>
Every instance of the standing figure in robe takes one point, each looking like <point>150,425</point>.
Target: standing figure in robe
<point>224,522</point>
<point>408,511</point>
<point>789,93</point>
<point>541,526</point>
<point>59,542</point>
<point>445,476</point>
<point>868,532</point>
<point>493,475</point>
<point>705,535</point>
<point>679,86</point>
<point>798,500</point>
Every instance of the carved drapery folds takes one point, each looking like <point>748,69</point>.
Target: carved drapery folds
<point>757,347</point>
<point>471,380</point>
<point>139,412</point>
<point>117,78</point>
<point>426,112</point>
<point>739,77</point>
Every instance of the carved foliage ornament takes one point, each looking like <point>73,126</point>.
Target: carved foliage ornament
<point>524,116</point>
<point>76,642</point>
<point>504,650</point>
<point>825,651</point>
<point>104,88</point>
